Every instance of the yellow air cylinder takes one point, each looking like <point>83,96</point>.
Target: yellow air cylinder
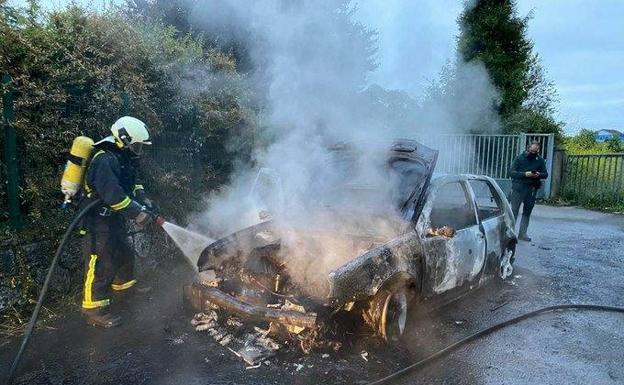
<point>76,166</point>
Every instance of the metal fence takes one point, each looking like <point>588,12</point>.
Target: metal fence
<point>596,178</point>
<point>490,155</point>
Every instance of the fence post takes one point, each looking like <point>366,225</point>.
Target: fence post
<point>522,141</point>
<point>550,152</point>
<point>558,173</point>
<point>10,153</point>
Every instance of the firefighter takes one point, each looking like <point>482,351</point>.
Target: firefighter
<point>111,177</point>
<point>527,172</point>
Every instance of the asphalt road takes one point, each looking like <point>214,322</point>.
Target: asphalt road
<point>577,256</point>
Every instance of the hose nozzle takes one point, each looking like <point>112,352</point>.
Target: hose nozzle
<point>156,217</point>
<point>159,220</point>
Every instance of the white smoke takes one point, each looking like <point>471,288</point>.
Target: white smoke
<point>311,61</point>
<point>469,4</point>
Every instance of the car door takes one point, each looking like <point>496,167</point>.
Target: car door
<point>490,211</point>
<point>452,260</point>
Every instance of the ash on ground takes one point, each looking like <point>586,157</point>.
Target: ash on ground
<point>253,344</point>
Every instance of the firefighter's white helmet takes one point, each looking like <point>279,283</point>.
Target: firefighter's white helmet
<point>132,133</point>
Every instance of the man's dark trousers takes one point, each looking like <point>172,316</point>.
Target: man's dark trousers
<point>525,195</point>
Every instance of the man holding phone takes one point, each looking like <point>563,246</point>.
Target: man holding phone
<point>527,172</point>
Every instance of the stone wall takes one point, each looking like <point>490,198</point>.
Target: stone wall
<point>23,268</point>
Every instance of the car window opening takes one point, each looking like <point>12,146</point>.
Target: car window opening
<point>488,202</point>
<point>451,208</point>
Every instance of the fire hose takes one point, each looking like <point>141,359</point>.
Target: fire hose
<point>44,289</point>
<point>491,329</point>
<point>46,283</point>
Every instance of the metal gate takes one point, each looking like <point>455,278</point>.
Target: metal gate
<point>490,155</point>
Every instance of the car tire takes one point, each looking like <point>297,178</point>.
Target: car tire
<point>393,319</point>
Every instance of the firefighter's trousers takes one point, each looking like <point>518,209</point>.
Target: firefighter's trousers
<point>109,258</point>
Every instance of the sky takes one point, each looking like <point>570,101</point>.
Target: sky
<point>580,42</point>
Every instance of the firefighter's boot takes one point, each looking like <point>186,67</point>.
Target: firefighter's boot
<point>100,317</point>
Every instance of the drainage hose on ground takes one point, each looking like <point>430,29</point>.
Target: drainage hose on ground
<point>44,289</point>
<point>490,330</point>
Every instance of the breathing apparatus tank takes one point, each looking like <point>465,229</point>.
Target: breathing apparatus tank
<point>76,167</point>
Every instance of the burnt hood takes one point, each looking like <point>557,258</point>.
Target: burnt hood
<point>414,163</point>
<point>407,167</point>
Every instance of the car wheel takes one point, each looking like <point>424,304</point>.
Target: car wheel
<point>393,317</point>
<point>506,267</point>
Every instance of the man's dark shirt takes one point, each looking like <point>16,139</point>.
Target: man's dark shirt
<point>524,163</point>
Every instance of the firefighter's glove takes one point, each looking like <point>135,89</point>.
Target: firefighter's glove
<point>152,207</point>
<point>144,218</point>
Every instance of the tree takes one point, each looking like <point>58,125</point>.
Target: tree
<point>493,33</point>
<point>300,78</point>
<point>614,144</point>
<point>585,138</point>
<point>585,143</point>
<point>234,25</point>
<point>179,14</point>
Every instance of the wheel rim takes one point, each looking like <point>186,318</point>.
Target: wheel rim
<point>506,269</point>
<point>394,316</point>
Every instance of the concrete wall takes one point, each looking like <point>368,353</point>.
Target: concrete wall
<point>558,171</point>
<point>24,265</point>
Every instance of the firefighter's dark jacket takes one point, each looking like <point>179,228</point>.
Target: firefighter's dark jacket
<point>524,163</point>
<point>111,176</point>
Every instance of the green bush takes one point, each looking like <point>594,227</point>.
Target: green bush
<point>585,143</point>
<point>76,72</point>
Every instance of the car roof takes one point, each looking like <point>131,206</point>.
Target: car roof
<point>444,177</point>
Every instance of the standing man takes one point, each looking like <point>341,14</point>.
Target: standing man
<point>527,172</point>
<point>111,177</point>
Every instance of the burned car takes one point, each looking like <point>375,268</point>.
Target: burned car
<point>446,235</point>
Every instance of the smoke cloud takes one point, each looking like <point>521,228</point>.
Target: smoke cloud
<point>311,61</point>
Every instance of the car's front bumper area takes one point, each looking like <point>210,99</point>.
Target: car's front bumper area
<point>204,298</point>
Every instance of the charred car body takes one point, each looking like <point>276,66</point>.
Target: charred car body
<point>447,235</point>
